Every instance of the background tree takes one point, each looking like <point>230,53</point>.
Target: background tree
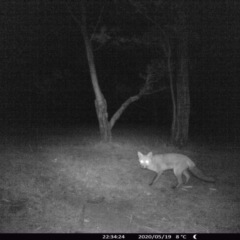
<point>167,33</point>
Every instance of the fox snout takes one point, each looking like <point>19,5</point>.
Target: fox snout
<point>144,164</point>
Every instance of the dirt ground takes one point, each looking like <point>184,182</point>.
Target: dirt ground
<point>68,181</point>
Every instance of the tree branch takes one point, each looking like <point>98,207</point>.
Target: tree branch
<point>73,15</point>
<point>97,23</point>
<point>119,112</point>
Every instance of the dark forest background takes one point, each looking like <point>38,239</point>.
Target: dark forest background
<point>45,81</point>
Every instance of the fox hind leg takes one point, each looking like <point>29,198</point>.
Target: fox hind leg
<point>179,178</point>
<point>186,174</point>
<point>180,181</point>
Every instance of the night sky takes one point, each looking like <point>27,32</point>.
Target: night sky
<point>45,76</point>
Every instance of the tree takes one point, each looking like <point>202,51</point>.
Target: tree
<point>106,125</point>
<point>180,87</point>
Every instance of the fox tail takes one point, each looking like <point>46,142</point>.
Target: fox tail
<point>199,174</point>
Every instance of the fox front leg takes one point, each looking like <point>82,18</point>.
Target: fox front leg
<point>155,178</point>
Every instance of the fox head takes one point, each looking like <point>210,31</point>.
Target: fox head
<point>145,160</point>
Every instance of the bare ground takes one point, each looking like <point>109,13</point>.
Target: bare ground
<point>67,182</point>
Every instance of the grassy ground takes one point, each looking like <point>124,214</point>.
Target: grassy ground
<point>67,181</point>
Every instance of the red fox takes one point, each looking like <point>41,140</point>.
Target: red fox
<point>178,162</point>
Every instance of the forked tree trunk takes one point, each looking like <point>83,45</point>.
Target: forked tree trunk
<point>105,126</point>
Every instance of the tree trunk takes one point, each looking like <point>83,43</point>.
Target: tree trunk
<point>100,102</point>
<point>168,53</point>
<point>104,126</point>
<point>174,107</point>
<point>180,135</point>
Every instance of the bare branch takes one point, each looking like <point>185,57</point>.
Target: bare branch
<point>73,15</point>
<point>154,72</point>
<point>97,23</point>
<point>159,90</point>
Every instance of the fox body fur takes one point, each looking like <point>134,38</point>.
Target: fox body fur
<point>178,162</point>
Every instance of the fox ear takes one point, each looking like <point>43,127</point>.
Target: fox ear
<point>150,155</point>
<point>140,154</point>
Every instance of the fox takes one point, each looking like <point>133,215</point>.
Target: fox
<point>178,162</point>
